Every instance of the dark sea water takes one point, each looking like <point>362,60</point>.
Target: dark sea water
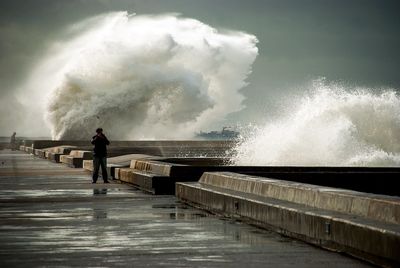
<point>7,139</point>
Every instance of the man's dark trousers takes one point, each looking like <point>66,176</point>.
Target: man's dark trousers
<point>97,162</point>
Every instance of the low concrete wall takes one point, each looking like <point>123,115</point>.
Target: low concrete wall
<point>29,150</point>
<point>374,180</point>
<point>42,152</point>
<point>149,182</point>
<point>63,149</point>
<point>122,161</point>
<point>55,156</point>
<point>323,223</point>
<point>377,207</point>
<point>75,158</point>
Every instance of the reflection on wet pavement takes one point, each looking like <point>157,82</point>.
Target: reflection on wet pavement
<point>99,191</point>
<point>67,221</point>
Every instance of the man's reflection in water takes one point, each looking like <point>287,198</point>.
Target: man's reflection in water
<point>99,191</point>
<point>99,213</point>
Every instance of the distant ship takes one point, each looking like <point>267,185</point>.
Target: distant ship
<point>227,133</point>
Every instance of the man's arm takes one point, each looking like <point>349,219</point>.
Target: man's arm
<point>94,138</point>
<point>107,141</point>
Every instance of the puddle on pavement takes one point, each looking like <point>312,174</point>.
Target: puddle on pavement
<point>10,194</point>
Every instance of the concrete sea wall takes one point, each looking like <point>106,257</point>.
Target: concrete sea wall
<point>360,224</point>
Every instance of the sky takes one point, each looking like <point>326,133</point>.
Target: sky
<point>354,42</point>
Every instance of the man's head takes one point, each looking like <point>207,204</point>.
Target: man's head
<point>99,130</point>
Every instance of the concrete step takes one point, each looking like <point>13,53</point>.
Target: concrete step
<point>43,153</point>
<point>75,158</point>
<point>373,180</point>
<point>147,181</point>
<point>153,166</point>
<point>377,207</point>
<point>65,149</point>
<point>56,156</point>
<point>29,150</point>
<point>122,161</point>
<point>369,239</point>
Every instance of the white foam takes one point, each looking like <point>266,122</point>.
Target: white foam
<point>333,125</point>
<point>143,76</point>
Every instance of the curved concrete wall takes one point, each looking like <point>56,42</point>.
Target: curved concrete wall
<point>360,224</point>
<point>378,207</point>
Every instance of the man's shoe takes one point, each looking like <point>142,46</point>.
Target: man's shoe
<point>106,182</point>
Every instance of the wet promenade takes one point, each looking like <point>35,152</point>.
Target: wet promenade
<point>51,215</point>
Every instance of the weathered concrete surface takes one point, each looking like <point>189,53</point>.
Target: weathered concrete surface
<point>376,207</point>
<point>62,150</point>
<point>75,158</point>
<point>44,153</point>
<point>305,212</point>
<point>51,215</point>
<point>122,161</point>
<point>373,180</point>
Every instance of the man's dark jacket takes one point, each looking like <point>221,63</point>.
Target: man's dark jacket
<point>100,145</point>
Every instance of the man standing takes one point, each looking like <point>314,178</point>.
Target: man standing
<point>13,142</point>
<point>100,143</point>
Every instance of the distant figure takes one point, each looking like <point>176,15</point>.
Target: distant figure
<point>13,142</point>
<point>100,143</point>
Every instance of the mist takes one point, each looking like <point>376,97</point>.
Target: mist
<point>354,42</point>
<point>141,77</point>
<point>332,124</point>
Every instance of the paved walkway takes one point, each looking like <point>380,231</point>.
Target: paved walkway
<point>51,215</point>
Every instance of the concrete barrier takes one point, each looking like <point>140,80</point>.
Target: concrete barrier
<point>29,150</point>
<point>354,178</point>
<point>25,146</point>
<point>75,158</point>
<point>376,207</point>
<point>155,176</point>
<point>122,161</point>
<point>339,221</point>
<point>43,153</point>
<point>39,152</point>
<point>62,150</point>
<point>144,180</point>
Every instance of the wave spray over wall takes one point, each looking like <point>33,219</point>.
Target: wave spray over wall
<point>332,126</point>
<point>144,77</point>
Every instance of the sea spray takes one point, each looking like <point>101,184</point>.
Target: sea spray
<point>143,77</point>
<point>331,126</point>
